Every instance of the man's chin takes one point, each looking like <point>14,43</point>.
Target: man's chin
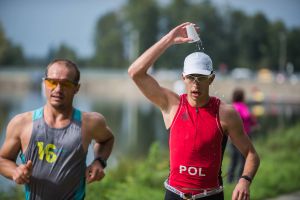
<point>58,105</point>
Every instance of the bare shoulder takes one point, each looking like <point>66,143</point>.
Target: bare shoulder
<point>95,116</point>
<point>95,127</point>
<point>228,117</point>
<point>17,135</point>
<point>173,98</point>
<point>226,110</point>
<point>20,121</point>
<point>169,111</point>
<point>92,119</point>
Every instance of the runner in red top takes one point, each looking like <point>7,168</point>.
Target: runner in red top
<point>199,125</point>
<point>195,160</point>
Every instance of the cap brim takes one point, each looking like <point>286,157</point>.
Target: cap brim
<point>202,72</point>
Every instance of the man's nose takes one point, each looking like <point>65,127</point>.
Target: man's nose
<point>196,81</point>
<point>58,86</point>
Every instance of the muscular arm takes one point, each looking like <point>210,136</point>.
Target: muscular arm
<point>100,133</point>
<point>241,141</point>
<point>11,148</point>
<point>232,125</point>
<point>161,97</point>
<point>97,129</point>
<point>104,139</point>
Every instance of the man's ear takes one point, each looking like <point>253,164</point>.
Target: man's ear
<point>182,77</point>
<point>77,88</point>
<point>211,78</point>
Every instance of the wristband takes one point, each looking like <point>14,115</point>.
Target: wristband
<point>102,161</point>
<point>247,178</point>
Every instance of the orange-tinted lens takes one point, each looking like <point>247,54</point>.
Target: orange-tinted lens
<point>67,84</point>
<point>52,83</point>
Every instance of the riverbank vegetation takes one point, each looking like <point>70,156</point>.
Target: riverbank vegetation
<point>143,179</point>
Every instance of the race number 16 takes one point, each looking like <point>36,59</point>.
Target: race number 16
<point>48,151</point>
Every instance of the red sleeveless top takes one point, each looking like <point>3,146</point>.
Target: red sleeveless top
<point>196,146</point>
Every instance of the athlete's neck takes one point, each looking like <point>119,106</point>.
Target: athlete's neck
<point>57,117</point>
<point>199,102</point>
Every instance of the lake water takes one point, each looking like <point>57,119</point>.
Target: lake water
<point>136,124</point>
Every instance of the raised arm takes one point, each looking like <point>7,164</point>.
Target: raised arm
<point>233,126</point>
<point>138,70</point>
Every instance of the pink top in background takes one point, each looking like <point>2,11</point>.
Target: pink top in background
<point>245,114</point>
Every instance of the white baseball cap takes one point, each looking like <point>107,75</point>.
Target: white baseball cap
<point>197,63</point>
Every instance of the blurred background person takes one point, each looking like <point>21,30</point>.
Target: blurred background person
<point>237,161</point>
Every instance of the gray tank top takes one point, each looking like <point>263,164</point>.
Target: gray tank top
<point>59,160</point>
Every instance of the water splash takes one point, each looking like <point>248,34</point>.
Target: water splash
<point>199,45</point>
<point>216,93</point>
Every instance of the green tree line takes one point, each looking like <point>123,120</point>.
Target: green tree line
<point>10,54</point>
<point>231,37</point>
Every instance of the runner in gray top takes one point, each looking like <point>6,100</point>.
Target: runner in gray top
<point>59,160</point>
<point>54,140</point>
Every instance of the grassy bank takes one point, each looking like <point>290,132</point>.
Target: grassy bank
<point>143,178</point>
<point>280,164</point>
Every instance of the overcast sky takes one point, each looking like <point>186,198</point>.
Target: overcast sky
<point>38,25</point>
